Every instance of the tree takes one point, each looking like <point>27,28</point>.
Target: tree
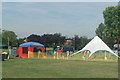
<point>9,36</point>
<point>49,40</point>
<point>76,42</point>
<point>112,21</point>
<point>83,41</point>
<point>21,40</point>
<point>100,30</point>
<point>109,31</point>
<point>34,38</point>
<point>80,42</point>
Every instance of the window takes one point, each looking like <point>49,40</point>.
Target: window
<point>25,50</point>
<point>35,50</point>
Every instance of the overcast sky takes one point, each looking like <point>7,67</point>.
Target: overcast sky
<point>70,18</point>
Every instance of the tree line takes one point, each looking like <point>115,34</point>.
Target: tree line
<point>53,40</point>
<point>49,40</point>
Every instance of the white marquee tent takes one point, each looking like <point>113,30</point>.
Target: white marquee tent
<point>96,44</point>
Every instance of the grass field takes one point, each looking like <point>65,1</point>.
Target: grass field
<point>50,68</point>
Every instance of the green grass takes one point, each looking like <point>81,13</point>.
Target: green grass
<point>50,68</point>
<point>4,50</point>
<point>98,56</point>
<point>49,48</point>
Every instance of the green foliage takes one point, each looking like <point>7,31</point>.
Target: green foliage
<point>49,40</point>
<point>21,40</point>
<point>76,42</point>
<point>99,30</point>
<point>9,36</point>
<point>83,41</point>
<point>80,42</point>
<point>109,31</point>
<point>111,21</point>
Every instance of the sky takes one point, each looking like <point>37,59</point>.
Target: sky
<point>67,18</point>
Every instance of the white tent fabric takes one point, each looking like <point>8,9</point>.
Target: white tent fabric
<point>96,44</point>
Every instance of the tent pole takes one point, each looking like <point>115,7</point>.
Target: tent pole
<point>105,53</point>
<point>38,55</point>
<point>54,54</point>
<point>57,55</point>
<point>105,56</point>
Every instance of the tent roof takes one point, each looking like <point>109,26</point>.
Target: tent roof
<point>31,44</point>
<point>97,44</point>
